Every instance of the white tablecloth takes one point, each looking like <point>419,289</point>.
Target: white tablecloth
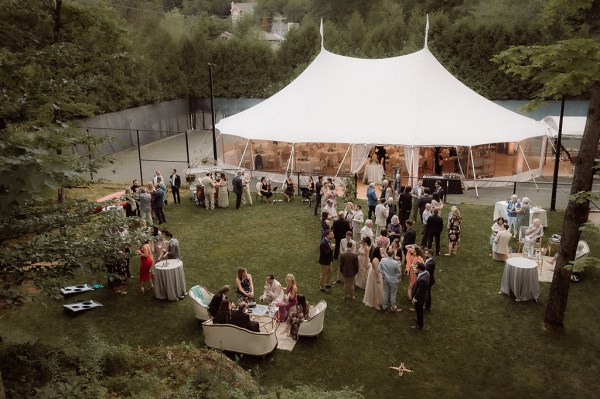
<point>534,212</point>
<point>520,279</point>
<point>374,173</point>
<point>169,280</point>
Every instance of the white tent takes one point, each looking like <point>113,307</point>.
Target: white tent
<point>410,100</point>
<point>573,126</point>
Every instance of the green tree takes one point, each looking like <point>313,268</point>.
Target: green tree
<point>566,68</point>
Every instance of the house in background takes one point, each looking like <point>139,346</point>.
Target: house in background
<point>281,28</point>
<point>240,9</point>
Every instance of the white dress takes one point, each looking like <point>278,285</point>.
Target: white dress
<point>374,287</point>
<point>223,195</point>
<point>363,268</point>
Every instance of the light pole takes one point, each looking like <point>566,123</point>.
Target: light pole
<point>212,110</point>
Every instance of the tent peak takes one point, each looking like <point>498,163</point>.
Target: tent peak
<point>426,31</point>
<point>322,36</point>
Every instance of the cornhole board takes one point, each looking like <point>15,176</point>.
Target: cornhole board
<point>82,306</point>
<point>76,289</point>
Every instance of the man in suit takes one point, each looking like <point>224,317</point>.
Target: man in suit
<point>273,290</point>
<point>439,190</point>
<point>410,236</point>
<point>419,294</point>
<point>175,184</point>
<point>371,200</point>
<point>325,260</point>
<point>238,188</point>
<point>340,227</point>
<point>424,200</point>
<point>349,269</point>
<point>430,267</point>
<point>209,191</point>
<point>381,214</point>
<point>318,188</point>
<point>435,225</point>
<point>159,202</point>
<point>417,192</point>
<point>390,270</point>
<point>240,318</point>
<point>172,251</point>
<point>246,197</point>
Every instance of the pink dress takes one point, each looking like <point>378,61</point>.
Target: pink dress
<point>411,260</point>
<point>284,308</point>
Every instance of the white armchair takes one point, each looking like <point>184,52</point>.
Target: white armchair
<point>313,326</point>
<point>228,337</point>
<point>201,298</point>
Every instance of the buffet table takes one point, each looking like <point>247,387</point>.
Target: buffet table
<point>169,280</point>
<point>450,186</point>
<point>520,279</point>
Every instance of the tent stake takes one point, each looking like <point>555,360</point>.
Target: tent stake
<point>474,176</point>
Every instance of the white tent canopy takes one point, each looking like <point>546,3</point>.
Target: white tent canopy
<point>409,100</point>
<point>573,126</point>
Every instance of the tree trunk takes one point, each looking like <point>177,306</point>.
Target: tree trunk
<point>2,393</point>
<point>576,214</point>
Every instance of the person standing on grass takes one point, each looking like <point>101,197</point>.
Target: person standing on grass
<point>381,214</point>
<point>358,221</point>
<point>410,236</point>
<point>435,225</point>
<point>425,217</point>
<point>417,193</point>
<point>349,269</point>
<point>209,191</point>
<point>390,270</point>
<point>246,197</point>
<point>325,260</point>
<point>318,189</point>
<point>419,294</point>
<point>512,210</point>
<point>340,228</point>
<point>159,202</point>
<point>430,267</point>
<point>423,201</point>
<point>238,188</point>
<point>371,200</point>
<point>405,204</point>
<point>175,184</point>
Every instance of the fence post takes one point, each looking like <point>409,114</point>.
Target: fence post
<point>137,132</point>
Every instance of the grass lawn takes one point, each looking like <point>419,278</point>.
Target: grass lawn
<point>476,343</point>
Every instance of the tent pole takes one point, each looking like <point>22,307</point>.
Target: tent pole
<point>341,163</point>
<point>251,158</point>
<point>294,166</point>
<point>459,165</point>
<point>474,176</point>
<point>528,167</point>
<point>412,163</point>
<point>243,153</point>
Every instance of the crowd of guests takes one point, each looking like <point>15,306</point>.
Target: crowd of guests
<point>374,253</point>
<point>293,307</point>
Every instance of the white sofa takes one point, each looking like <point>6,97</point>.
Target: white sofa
<point>232,338</point>
<point>314,324</point>
<point>200,298</point>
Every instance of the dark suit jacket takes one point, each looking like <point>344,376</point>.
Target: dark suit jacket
<point>340,227</point>
<point>405,202</point>
<point>215,303</point>
<point>238,184</point>
<point>425,199</point>
<point>430,267</point>
<point>318,188</point>
<point>177,181</point>
<point>419,289</point>
<point>349,263</point>
<point>435,224</point>
<point>410,237</point>
<point>242,319</point>
<point>325,253</point>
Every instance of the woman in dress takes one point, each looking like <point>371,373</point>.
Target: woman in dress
<point>297,316</point>
<point>288,192</point>
<point>374,288</point>
<point>453,231</point>
<point>244,284</point>
<point>223,201</point>
<point>265,189</point>
<point>394,229</point>
<point>363,263</point>
<point>145,265</point>
<point>326,223</point>
<point>496,227</point>
<point>414,255</point>
<point>523,214</point>
<point>311,185</point>
<point>290,299</point>
<point>223,315</point>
